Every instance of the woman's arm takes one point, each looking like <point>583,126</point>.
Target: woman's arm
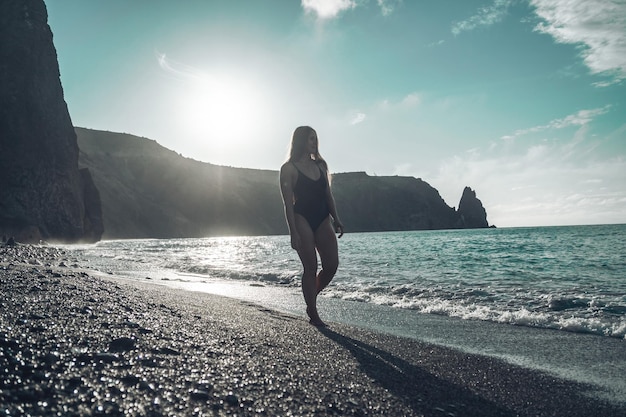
<point>288,177</point>
<point>333,211</point>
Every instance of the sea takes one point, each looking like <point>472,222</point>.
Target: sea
<point>551,298</point>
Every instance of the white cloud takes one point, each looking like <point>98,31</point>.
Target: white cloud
<point>581,118</point>
<point>385,106</point>
<point>439,42</point>
<point>485,16</point>
<point>327,9</point>
<point>598,26</point>
<point>410,100</point>
<point>357,118</point>
<point>387,6</point>
<point>548,185</point>
<point>330,9</point>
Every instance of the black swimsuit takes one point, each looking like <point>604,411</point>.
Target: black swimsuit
<point>310,196</point>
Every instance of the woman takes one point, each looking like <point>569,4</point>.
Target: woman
<point>309,206</point>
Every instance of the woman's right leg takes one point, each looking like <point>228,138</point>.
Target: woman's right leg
<point>308,257</point>
<point>326,243</point>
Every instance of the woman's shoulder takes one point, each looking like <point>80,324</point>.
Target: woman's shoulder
<point>287,165</point>
<point>288,168</point>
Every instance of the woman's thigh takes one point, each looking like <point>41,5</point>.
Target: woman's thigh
<point>326,243</point>
<point>307,244</point>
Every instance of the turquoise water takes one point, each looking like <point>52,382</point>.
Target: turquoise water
<point>567,278</point>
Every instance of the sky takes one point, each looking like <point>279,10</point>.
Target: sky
<point>524,101</point>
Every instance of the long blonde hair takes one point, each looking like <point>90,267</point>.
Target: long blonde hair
<point>298,145</point>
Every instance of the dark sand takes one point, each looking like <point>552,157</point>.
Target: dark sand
<point>75,344</point>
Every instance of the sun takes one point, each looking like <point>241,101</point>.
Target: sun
<point>222,110</point>
<point>217,111</point>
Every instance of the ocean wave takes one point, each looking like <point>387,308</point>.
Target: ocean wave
<point>521,316</point>
<point>269,278</point>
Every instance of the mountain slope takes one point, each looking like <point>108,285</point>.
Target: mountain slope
<point>150,191</point>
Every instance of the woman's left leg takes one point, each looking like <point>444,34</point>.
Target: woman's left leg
<point>326,243</point>
<point>309,262</point>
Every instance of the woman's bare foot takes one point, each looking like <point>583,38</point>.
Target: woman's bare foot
<point>315,319</point>
<point>318,323</point>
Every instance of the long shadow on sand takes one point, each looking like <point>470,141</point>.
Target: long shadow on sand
<point>425,393</point>
<point>429,395</point>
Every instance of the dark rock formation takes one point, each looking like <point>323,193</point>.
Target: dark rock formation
<point>93,223</point>
<point>150,191</point>
<point>471,210</point>
<point>372,203</point>
<point>42,192</point>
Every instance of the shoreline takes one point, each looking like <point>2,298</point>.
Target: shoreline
<point>79,344</point>
<point>579,357</point>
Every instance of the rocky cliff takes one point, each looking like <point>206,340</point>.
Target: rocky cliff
<point>43,195</point>
<point>150,191</point>
<point>471,210</point>
<point>372,203</point>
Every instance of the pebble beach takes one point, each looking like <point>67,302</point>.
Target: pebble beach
<point>74,343</point>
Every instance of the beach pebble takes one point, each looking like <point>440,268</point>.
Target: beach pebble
<point>130,379</point>
<point>231,399</point>
<point>168,351</point>
<point>122,344</point>
<point>131,324</point>
<point>200,395</point>
<point>105,357</point>
<point>145,386</point>
<point>51,358</point>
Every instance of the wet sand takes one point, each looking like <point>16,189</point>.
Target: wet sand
<point>73,343</point>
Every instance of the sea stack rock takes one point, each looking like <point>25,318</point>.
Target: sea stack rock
<point>43,195</point>
<point>471,210</point>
